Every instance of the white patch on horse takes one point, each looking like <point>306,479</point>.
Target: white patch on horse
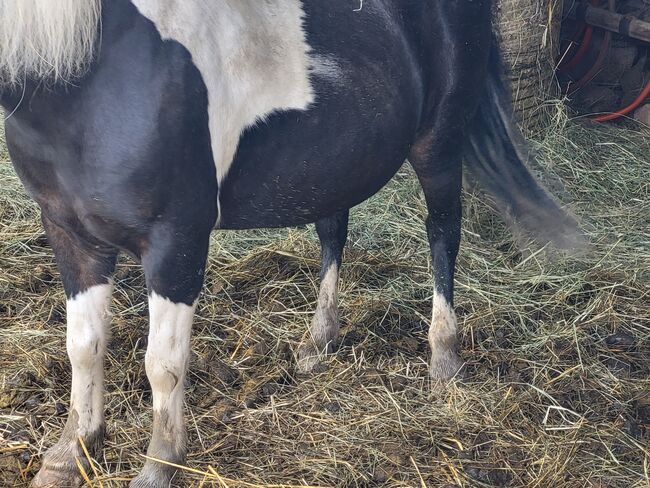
<point>443,339</point>
<point>46,39</point>
<point>443,321</point>
<point>326,319</point>
<point>321,337</point>
<point>167,358</point>
<point>252,55</point>
<point>87,336</point>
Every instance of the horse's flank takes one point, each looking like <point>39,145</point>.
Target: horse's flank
<point>49,40</point>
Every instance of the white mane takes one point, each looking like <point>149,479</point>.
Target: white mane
<point>47,39</point>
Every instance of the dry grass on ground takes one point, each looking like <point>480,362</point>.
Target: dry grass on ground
<point>558,352</point>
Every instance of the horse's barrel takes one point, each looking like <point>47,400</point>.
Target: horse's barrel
<point>529,32</point>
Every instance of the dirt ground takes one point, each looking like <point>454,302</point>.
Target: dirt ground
<point>557,391</point>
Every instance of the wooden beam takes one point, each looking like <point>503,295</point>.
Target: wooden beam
<point>625,25</point>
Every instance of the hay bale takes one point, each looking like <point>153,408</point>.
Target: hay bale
<point>530,31</point>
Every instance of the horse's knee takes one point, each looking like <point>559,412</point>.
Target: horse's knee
<point>85,349</point>
<point>164,373</point>
<point>87,317</point>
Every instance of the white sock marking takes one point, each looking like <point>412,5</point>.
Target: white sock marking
<point>167,359</point>
<point>87,336</point>
<point>443,329</point>
<point>324,326</point>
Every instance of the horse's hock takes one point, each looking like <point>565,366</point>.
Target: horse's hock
<point>529,32</point>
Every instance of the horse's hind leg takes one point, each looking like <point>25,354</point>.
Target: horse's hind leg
<point>85,269</point>
<point>321,338</point>
<point>439,170</point>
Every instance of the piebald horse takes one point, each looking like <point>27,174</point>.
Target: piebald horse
<point>139,126</point>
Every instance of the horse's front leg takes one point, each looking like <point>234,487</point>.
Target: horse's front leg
<point>85,269</point>
<point>174,269</point>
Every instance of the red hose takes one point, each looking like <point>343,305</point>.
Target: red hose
<point>602,54</point>
<point>624,111</point>
<point>584,49</point>
<point>604,48</point>
<point>586,32</point>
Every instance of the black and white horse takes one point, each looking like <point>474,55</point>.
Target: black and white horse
<point>141,125</point>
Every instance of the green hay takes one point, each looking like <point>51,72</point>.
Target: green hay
<point>546,403</point>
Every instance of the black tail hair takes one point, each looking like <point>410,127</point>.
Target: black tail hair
<point>496,158</point>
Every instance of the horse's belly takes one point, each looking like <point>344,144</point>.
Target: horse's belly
<point>303,166</point>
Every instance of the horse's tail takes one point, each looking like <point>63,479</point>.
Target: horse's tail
<point>51,39</point>
<point>496,155</point>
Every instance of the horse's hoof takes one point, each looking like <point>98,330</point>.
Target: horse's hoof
<point>309,360</point>
<point>444,367</point>
<point>147,481</point>
<point>153,475</point>
<point>51,478</point>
